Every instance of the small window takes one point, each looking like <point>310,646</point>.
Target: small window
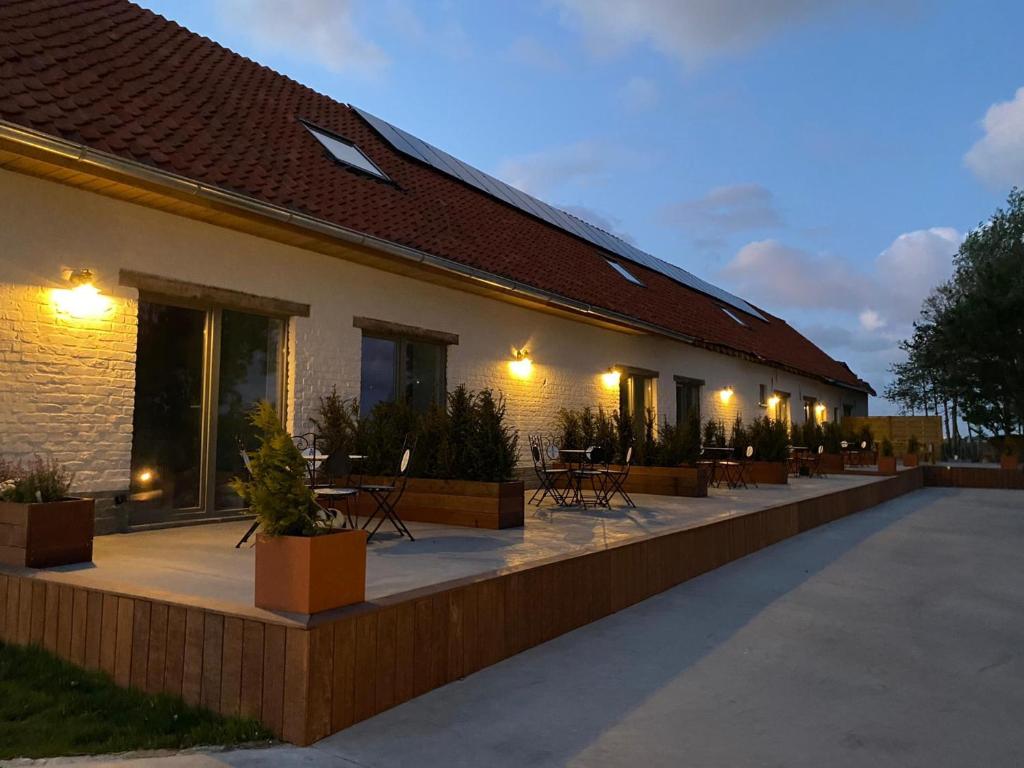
<point>733,316</point>
<point>346,152</point>
<point>624,272</point>
<point>409,370</point>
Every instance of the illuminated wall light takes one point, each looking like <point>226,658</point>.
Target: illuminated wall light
<point>611,378</point>
<point>146,475</point>
<point>521,365</point>
<point>83,299</point>
<point>820,411</point>
<point>725,395</point>
<point>773,401</point>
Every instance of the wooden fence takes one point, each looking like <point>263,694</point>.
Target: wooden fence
<point>899,429</point>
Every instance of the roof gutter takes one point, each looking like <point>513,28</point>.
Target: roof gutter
<point>104,161</point>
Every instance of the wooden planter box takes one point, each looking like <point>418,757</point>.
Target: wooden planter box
<point>310,574</point>
<point>887,465</point>
<point>832,463</point>
<point>666,481</point>
<point>910,460</point>
<point>468,503</point>
<point>1009,462</point>
<point>47,534</point>
<point>769,472</point>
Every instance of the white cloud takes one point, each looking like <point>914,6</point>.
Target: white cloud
<point>583,164</point>
<point>870,320</point>
<point>725,210</point>
<point>326,31</point>
<point>693,30</point>
<point>888,293</point>
<point>998,157</point>
<point>639,94</point>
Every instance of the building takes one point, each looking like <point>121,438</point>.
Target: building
<point>186,231</point>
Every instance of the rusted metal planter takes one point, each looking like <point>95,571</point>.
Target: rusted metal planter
<point>310,574</point>
<point>768,472</point>
<point>42,535</point>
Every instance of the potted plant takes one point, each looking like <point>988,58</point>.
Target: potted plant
<point>886,460</point>
<point>770,438</point>
<point>910,457</point>
<point>832,439</point>
<point>463,469</point>
<point>664,458</point>
<point>40,525</point>
<point>303,565</point>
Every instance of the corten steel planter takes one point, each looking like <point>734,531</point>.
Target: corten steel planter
<point>910,460</point>
<point>468,503</point>
<point>768,472</point>
<point>1009,462</point>
<point>832,463</point>
<point>47,534</point>
<point>887,465</point>
<point>666,481</point>
<point>310,574</point>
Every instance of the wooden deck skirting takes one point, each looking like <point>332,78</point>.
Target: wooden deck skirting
<point>305,682</point>
<point>973,477</point>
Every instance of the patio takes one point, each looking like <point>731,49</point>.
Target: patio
<point>199,566</point>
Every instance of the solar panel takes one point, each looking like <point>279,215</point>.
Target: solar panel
<point>420,150</point>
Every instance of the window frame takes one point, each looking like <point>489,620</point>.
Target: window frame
<point>398,369</point>
<point>684,383</point>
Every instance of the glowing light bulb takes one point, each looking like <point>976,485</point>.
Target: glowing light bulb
<point>82,301</point>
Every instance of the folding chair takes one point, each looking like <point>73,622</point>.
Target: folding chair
<point>731,471</point>
<point>548,477</point>
<point>335,465</point>
<point>595,476</point>
<point>616,479</point>
<point>387,497</point>
<point>745,475</point>
<point>814,463</point>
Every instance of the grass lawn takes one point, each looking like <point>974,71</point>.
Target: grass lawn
<point>50,708</point>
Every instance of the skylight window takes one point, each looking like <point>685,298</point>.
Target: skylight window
<point>623,271</point>
<point>346,152</point>
<point>733,316</point>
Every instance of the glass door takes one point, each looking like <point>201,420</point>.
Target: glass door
<point>167,445</point>
<point>248,371</point>
<point>199,372</point>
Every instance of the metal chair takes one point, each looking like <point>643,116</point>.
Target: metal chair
<point>745,475</point>
<point>548,477</point>
<point>334,466</point>
<point>814,463</point>
<point>247,463</point>
<point>596,477</point>
<point>388,495</point>
<point>616,479</point>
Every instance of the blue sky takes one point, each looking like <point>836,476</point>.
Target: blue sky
<point>818,157</point>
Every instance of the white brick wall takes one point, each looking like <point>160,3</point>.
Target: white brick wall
<point>66,387</point>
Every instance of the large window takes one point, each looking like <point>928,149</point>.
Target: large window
<point>687,399</point>
<point>404,369</point>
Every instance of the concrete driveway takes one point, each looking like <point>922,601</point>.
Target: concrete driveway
<point>890,638</point>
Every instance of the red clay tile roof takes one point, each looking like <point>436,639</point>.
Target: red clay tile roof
<point>120,79</point>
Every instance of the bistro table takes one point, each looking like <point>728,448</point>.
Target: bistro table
<point>796,457</point>
<point>576,459</point>
<point>716,455</point>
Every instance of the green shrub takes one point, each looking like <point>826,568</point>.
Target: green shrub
<point>41,480</point>
<point>886,447</point>
<point>832,435</point>
<point>739,438</point>
<point>714,434</point>
<point>677,445</point>
<point>277,492</point>
<point>811,435</point>
<point>770,438</point>
<point>466,439</point>
<point>913,444</point>
<point>337,423</point>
